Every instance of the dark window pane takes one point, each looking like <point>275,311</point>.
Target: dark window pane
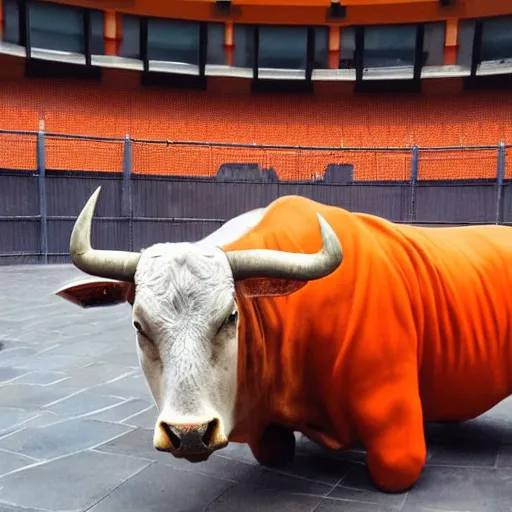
<point>97,32</point>
<point>173,41</point>
<point>130,47</point>
<point>56,27</point>
<point>11,22</point>
<point>282,47</point>
<point>433,44</point>
<point>215,45</point>
<point>497,39</point>
<point>348,48</point>
<point>387,46</point>
<point>244,46</point>
<point>466,35</point>
<point>321,57</point>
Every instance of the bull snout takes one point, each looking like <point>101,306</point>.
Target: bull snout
<point>194,442</point>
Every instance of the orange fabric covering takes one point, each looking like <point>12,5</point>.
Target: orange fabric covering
<point>349,121</point>
<point>413,326</point>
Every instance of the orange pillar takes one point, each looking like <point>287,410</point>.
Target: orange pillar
<point>110,33</point>
<point>334,47</point>
<point>229,42</point>
<point>451,42</point>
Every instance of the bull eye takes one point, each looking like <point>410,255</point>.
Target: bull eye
<point>137,326</point>
<point>232,318</point>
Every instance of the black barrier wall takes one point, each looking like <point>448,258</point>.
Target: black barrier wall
<point>39,206</point>
<point>154,209</point>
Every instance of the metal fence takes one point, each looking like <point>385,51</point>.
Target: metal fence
<point>38,207</point>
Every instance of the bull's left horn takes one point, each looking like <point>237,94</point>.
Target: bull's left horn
<point>289,265</point>
<point>119,265</point>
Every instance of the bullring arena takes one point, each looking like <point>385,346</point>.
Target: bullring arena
<point>188,114</point>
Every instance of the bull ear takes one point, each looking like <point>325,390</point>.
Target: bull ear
<point>97,292</point>
<point>267,287</point>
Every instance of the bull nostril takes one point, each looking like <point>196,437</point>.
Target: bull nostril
<point>175,440</point>
<point>210,430</point>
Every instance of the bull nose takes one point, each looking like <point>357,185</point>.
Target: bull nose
<point>185,439</point>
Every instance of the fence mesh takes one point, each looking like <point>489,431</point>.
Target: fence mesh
<point>288,163</point>
<point>83,155</point>
<point>18,151</point>
<point>448,164</point>
<point>71,153</point>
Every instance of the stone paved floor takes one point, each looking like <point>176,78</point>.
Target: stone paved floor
<point>76,429</point>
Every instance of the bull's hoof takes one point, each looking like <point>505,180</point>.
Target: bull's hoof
<point>275,448</point>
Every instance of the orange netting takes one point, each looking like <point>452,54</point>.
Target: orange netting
<point>74,107</point>
<point>18,151</point>
<point>463,163</point>
<point>83,155</point>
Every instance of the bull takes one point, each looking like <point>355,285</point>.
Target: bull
<point>305,317</point>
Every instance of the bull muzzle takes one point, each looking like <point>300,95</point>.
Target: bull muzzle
<point>194,442</point>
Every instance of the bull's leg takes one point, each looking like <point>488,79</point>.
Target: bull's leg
<point>391,424</point>
<point>276,447</point>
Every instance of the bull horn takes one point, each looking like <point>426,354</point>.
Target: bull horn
<point>289,265</point>
<point>119,265</point>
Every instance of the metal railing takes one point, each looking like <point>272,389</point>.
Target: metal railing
<point>39,205</point>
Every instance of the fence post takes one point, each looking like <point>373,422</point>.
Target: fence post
<point>414,180</point>
<point>126,198</point>
<point>500,175</point>
<point>41,169</point>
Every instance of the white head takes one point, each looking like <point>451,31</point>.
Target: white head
<point>186,317</point>
<point>185,314</point>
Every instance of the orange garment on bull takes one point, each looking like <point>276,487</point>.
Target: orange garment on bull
<point>413,326</point>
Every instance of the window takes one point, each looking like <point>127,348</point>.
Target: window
<point>61,27</point>
<point>97,32</point>
<point>243,55</point>
<point>282,47</point>
<point>321,55</point>
<point>11,22</point>
<point>348,48</point>
<point>130,46</point>
<point>466,35</point>
<point>433,44</point>
<point>496,39</point>
<point>173,41</point>
<point>215,53</point>
<point>56,27</point>
<point>389,46</point>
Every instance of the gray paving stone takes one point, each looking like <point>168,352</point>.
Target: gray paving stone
<point>356,486</point>
<point>139,443</point>
<point>159,488</point>
<point>42,378</point>
<point>121,411</point>
<point>75,482</point>
<point>83,403</point>
<point>11,461</point>
<point>247,498</point>
<point>145,419</point>
<point>96,374</point>
<point>45,443</point>
<point>131,386</point>
<point>332,505</point>
<point>465,489</point>
<point>8,372</point>
<point>52,339</point>
<point>10,417</point>
<point>14,395</point>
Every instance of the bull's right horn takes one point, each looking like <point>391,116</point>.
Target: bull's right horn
<point>289,265</point>
<point>119,265</point>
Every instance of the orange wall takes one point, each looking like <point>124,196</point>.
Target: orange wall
<point>350,121</point>
<point>306,11</point>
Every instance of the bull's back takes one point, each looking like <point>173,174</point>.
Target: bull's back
<point>465,278</point>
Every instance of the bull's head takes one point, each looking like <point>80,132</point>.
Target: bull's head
<point>186,318</point>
